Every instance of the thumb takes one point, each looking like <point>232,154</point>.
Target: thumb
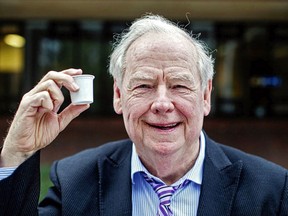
<point>69,113</point>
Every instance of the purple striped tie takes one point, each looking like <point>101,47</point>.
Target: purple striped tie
<point>164,193</point>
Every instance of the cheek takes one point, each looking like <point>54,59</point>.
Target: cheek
<point>133,110</point>
<point>192,112</point>
<point>191,105</point>
<point>137,104</point>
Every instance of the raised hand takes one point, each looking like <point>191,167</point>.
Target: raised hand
<point>37,121</point>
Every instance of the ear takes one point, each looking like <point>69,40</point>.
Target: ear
<point>117,103</point>
<point>207,98</point>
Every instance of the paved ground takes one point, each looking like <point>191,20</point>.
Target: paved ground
<point>266,138</point>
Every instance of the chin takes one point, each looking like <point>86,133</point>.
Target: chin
<point>165,149</point>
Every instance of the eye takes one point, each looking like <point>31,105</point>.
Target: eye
<point>143,86</point>
<point>179,87</point>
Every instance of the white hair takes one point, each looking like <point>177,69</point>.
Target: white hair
<point>157,24</point>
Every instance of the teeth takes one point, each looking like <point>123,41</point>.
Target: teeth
<point>169,126</point>
<point>166,126</point>
<point>172,125</point>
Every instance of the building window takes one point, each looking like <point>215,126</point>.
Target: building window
<point>12,57</point>
<point>251,62</point>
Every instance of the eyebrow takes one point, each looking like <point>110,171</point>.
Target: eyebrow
<point>142,76</point>
<point>139,76</point>
<point>183,77</point>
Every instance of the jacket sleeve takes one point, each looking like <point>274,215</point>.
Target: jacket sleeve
<point>284,201</point>
<point>19,193</point>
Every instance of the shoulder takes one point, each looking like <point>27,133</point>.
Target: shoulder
<point>252,162</point>
<point>254,168</point>
<point>91,157</point>
<point>264,182</point>
<point>234,155</point>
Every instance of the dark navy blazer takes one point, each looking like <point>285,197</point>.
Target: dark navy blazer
<point>97,182</point>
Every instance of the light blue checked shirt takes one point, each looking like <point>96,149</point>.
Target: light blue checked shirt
<point>6,171</point>
<point>183,202</point>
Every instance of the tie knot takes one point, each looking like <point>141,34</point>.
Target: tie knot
<point>163,191</point>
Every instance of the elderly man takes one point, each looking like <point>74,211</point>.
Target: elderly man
<point>169,166</point>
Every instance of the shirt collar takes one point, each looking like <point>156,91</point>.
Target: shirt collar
<point>195,174</point>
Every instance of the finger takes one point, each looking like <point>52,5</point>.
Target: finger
<point>39,101</point>
<point>63,78</point>
<point>54,91</point>
<point>72,71</point>
<point>69,113</point>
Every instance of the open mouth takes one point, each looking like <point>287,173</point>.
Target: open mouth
<point>164,127</point>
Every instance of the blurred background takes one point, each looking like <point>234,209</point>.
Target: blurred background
<point>248,39</point>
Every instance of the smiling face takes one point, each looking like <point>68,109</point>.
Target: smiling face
<point>160,98</point>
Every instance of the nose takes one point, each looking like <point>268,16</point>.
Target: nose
<point>162,102</point>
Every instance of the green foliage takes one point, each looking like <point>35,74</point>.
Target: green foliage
<point>45,181</point>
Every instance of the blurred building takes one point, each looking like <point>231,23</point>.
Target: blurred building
<point>249,40</point>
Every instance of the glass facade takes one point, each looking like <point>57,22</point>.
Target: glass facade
<point>251,65</point>
<point>251,69</point>
<point>12,58</point>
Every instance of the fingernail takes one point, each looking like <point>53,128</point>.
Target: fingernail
<point>75,86</point>
<point>56,109</point>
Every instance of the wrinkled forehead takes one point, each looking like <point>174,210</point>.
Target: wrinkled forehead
<point>162,42</point>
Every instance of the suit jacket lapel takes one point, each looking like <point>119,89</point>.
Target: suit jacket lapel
<point>220,182</point>
<point>219,185</point>
<point>115,182</point>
